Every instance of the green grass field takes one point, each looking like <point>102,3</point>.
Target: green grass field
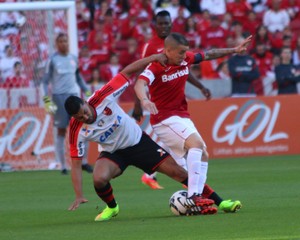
<point>33,205</point>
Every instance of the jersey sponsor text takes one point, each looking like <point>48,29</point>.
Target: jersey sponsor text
<point>179,73</point>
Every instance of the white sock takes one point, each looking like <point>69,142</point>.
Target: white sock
<point>60,150</point>
<point>194,170</point>
<point>203,176</point>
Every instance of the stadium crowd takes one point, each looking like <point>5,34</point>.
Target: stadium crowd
<point>111,35</point>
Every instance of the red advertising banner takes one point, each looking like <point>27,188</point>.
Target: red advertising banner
<point>237,127</point>
<point>232,127</point>
<point>26,139</point>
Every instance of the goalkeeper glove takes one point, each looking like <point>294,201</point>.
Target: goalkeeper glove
<point>50,107</point>
<point>88,93</point>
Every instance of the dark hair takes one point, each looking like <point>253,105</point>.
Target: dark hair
<point>17,63</point>
<point>60,35</point>
<point>179,38</point>
<point>162,13</point>
<point>73,104</point>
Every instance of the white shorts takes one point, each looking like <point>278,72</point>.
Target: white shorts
<point>173,132</point>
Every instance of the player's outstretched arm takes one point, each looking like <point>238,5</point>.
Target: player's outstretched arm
<point>222,52</point>
<point>142,63</point>
<point>76,173</point>
<point>205,91</point>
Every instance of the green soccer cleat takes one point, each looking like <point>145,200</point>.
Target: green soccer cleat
<point>229,206</point>
<point>107,214</point>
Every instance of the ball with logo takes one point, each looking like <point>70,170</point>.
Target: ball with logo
<point>177,202</point>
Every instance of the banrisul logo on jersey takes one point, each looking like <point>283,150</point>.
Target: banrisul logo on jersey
<point>177,74</point>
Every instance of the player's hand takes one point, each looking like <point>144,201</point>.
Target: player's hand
<point>161,58</point>
<point>206,92</point>
<point>88,93</point>
<point>150,106</point>
<point>76,203</point>
<point>243,46</point>
<point>137,113</point>
<point>50,107</point>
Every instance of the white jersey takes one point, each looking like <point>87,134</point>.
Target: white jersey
<point>113,129</point>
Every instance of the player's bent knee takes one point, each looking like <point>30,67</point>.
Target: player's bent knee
<point>100,181</point>
<point>205,156</point>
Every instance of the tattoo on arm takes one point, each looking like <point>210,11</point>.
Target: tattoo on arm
<point>217,53</point>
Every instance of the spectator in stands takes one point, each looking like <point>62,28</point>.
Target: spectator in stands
<point>172,6</point>
<point>191,33</point>
<point>243,72</point>
<point>276,19</point>
<point>128,24</point>
<point>100,49</point>
<point>62,74</point>
<point>227,21</point>
<point>10,22</point>
<point>7,63</point>
<point>99,27</point>
<point>209,68</point>
<point>100,10</point>
<point>4,41</point>
<point>109,70</point>
<point>203,21</point>
<point>179,22</point>
<point>223,71</point>
<point>17,80</point>
<point>252,23</point>
<point>239,10</point>
<point>292,7</point>
<point>130,53</point>
<point>269,80</point>
<point>296,53</point>
<point>83,17</point>
<point>263,58</point>
<point>143,8</point>
<point>143,31</point>
<point>262,36</point>
<point>287,74</point>
<point>237,32</point>
<point>95,81</point>
<point>258,6</point>
<point>287,32</point>
<point>216,7</point>
<point>112,25</point>
<point>214,35</point>
<point>86,63</point>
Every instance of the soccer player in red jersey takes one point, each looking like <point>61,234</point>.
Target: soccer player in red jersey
<point>167,105</point>
<point>103,121</point>
<point>163,26</point>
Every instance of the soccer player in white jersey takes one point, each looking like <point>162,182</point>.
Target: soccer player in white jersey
<point>103,121</point>
<point>167,105</point>
<point>63,75</point>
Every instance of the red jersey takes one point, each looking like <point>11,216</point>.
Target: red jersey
<point>153,46</point>
<point>167,85</point>
<point>16,82</point>
<point>86,65</point>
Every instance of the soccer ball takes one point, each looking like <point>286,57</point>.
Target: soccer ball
<point>177,201</point>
